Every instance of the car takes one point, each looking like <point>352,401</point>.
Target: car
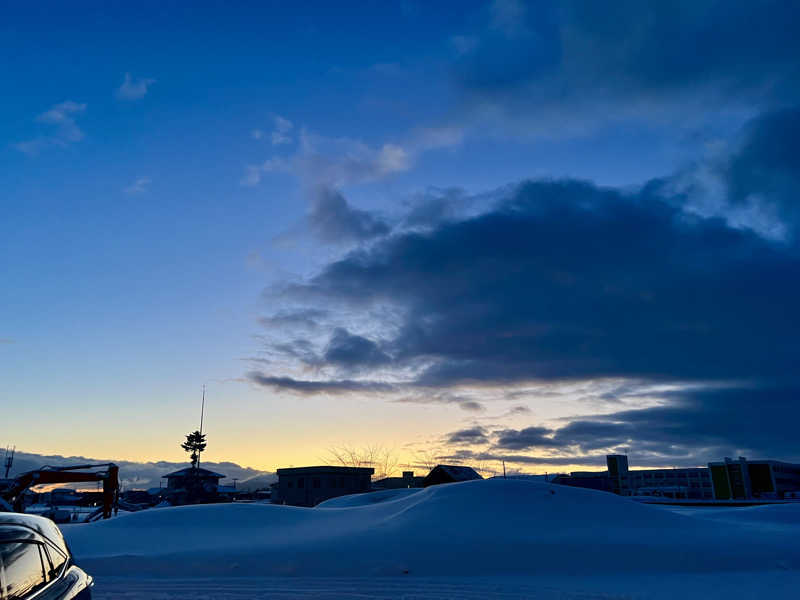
<point>36,563</point>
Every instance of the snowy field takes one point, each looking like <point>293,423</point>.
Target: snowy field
<point>481,539</point>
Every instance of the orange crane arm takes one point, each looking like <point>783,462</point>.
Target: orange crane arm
<point>47,475</point>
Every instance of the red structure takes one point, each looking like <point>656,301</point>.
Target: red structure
<point>12,495</point>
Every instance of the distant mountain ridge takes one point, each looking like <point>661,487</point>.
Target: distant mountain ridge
<point>143,475</point>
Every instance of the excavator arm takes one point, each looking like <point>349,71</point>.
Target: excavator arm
<point>109,475</point>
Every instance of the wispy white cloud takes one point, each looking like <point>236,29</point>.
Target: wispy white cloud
<point>335,162</point>
<point>139,186</point>
<point>60,123</point>
<point>256,134</point>
<point>463,44</point>
<point>133,89</point>
<point>281,133</point>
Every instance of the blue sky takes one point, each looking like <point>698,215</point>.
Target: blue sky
<point>170,171</point>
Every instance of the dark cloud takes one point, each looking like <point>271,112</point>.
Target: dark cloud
<point>750,419</point>
<point>691,427</point>
<point>300,349</point>
<point>308,318</point>
<point>539,55</point>
<point>348,350</point>
<point>310,387</point>
<point>564,280</point>
<point>427,396</point>
<point>567,280</point>
<point>436,206</point>
<point>334,220</point>
<point>530,437</point>
<point>472,435</point>
<point>765,169</point>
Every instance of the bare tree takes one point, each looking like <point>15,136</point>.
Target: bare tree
<point>383,460</point>
<point>484,468</point>
<point>426,459</point>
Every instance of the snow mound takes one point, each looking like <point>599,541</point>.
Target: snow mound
<point>780,515</point>
<point>354,500</point>
<point>485,527</point>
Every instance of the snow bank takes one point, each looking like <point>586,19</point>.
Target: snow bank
<point>479,527</point>
<point>771,515</point>
<point>367,499</point>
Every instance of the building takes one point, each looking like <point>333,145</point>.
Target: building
<point>593,480</point>
<point>408,480</point>
<point>757,479</point>
<point>690,483</point>
<point>693,483</point>
<point>449,474</point>
<point>63,496</point>
<point>192,486</point>
<point>308,486</point>
<point>191,477</point>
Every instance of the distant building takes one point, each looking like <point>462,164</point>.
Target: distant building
<point>63,496</point>
<point>727,480</point>
<point>408,480</point>
<point>227,491</point>
<point>192,477</point>
<point>692,483</point>
<point>593,480</point>
<point>308,486</point>
<point>756,479</point>
<point>449,474</point>
<point>192,486</point>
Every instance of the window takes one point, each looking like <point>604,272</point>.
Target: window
<point>301,482</point>
<point>56,563</point>
<point>24,568</point>
<point>316,482</point>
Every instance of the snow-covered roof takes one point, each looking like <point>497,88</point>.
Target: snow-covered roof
<point>457,472</point>
<point>189,471</point>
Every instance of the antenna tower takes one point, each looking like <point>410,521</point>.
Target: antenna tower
<point>202,413</point>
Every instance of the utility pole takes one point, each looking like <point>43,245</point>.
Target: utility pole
<point>202,412</point>
<point>504,469</point>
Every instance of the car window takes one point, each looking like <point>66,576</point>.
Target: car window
<point>24,571</point>
<point>56,563</point>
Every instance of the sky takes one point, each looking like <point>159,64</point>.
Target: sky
<point>484,231</point>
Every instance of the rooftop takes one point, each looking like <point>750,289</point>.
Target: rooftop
<point>189,471</point>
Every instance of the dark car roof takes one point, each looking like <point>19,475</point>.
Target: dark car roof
<point>44,527</point>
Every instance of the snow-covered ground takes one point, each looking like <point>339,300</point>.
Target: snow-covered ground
<point>494,538</point>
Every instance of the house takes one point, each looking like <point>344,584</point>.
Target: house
<point>449,474</point>
<point>192,486</point>
<point>192,477</point>
<point>393,483</point>
<point>308,486</point>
